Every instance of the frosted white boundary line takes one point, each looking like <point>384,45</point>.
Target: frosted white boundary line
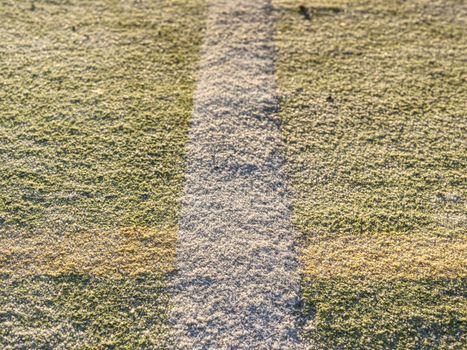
<point>237,283</point>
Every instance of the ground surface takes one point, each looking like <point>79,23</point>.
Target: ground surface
<point>95,98</point>
<point>373,110</point>
<point>95,103</point>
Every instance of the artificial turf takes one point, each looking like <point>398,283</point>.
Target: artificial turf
<point>373,115</point>
<point>95,101</point>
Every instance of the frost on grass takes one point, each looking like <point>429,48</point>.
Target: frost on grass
<point>385,257</point>
<point>373,112</point>
<point>95,97</point>
<point>121,253</point>
<point>82,312</point>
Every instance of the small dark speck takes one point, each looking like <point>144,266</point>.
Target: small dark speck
<point>73,28</point>
<point>329,99</point>
<point>304,12</point>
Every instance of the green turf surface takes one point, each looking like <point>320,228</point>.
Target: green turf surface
<point>373,108</point>
<point>95,101</point>
<point>82,312</point>
<point>94,107</point>
<point>359,313</point>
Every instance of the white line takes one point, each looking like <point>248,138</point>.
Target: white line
<point>237,283</point>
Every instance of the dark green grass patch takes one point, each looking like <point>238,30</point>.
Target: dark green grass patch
<point>82,312</point>
<point>398,315</point>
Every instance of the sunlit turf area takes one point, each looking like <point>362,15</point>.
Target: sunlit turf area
<point>373,107</point>
<point>95,102</point>
<point>95,99</point>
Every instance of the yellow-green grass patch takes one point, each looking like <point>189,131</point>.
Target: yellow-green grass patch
<point>385,257</point>
<point>385,291</point>
<point>373,114</point>
<point>95,101</point>
<point>126,252</point>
